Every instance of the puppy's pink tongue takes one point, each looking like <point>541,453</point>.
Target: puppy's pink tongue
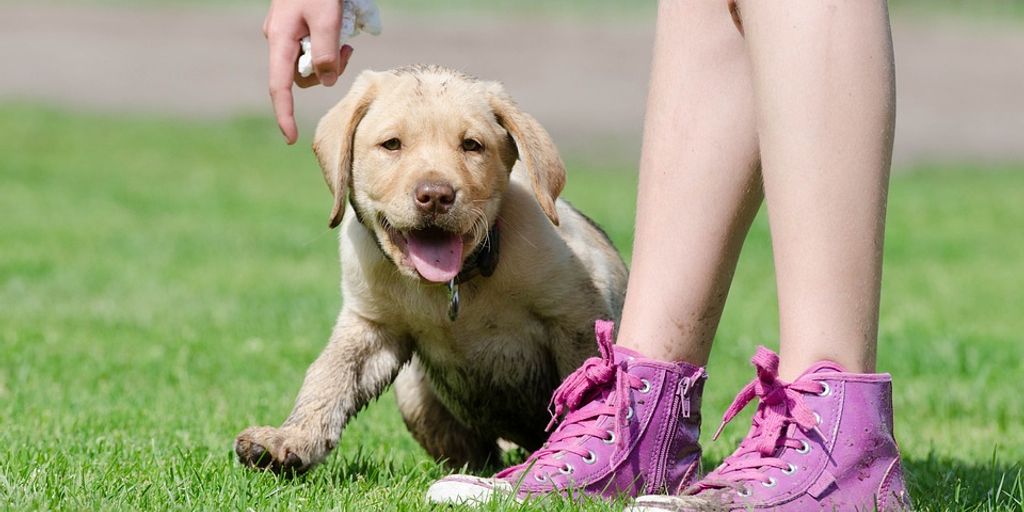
<point>437,256</point>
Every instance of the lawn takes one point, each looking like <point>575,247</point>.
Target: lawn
<point>165,284</point>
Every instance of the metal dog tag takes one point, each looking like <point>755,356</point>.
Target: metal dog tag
<point>453,300</point>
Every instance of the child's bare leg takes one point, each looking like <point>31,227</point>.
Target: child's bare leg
<point>823,81</point>
<point>699,183</point>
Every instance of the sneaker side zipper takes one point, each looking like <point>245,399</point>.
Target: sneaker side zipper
<point>680,407</point>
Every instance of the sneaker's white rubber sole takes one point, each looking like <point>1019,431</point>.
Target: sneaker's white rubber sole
<point>656,503</point>
<point>465,490</point>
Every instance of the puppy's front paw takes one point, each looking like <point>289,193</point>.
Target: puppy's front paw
<point>281,450</point>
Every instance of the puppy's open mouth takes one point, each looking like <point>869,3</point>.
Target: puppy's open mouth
<point>435,253</point>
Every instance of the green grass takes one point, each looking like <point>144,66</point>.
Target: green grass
<point>163,285</point>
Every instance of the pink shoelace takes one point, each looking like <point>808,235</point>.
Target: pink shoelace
<point>781,404</point>
<point>574,403</point>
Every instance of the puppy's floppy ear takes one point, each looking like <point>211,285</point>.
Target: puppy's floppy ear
<point>535,147</point>
<point>332,143</point>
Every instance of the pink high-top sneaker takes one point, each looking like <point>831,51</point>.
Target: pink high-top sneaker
<point>629,425</point>
<point>823,442</point>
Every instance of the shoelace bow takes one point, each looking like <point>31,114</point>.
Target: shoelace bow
<point>780,405</point>
<point>580,388</point>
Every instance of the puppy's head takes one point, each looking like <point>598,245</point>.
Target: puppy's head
<point>425,154</point>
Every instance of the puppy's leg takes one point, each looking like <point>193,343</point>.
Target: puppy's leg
<point>435,428</point>
<point>360,361</point>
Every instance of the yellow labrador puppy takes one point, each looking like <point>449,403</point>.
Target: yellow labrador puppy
<point>467,283</point>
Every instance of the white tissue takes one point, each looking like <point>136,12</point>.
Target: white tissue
<point>357,16</point>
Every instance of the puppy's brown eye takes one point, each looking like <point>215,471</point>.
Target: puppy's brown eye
<point>471,145</point>
<point>392,144</point>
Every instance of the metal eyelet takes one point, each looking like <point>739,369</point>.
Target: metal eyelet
<point>817,419</point>
<point>647,386</point>
<point>611,437</point>
<point>770,483</point>
<point>827,389</point>
<point>590,458</point>
<point>790,470</point>
<point>629,414</point>
<point>745,493</point>
<point>804,448</point>
<point>540,477</point>
<point>567,469</point>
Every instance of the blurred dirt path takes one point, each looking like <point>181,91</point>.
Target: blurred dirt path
<point>961,86</point>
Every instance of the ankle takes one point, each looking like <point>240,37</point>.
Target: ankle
<point>794,362</point>
<point>672,351</point>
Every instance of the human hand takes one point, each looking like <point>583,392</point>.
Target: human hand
<point>287,22</point>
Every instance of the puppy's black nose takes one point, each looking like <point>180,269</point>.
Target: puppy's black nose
<point>434,196</point>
